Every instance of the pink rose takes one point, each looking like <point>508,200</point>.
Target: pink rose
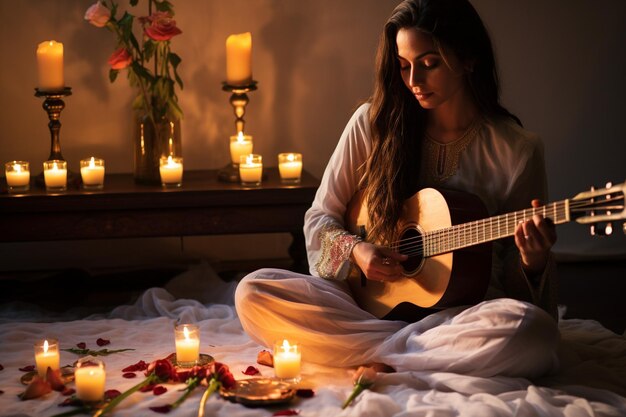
<point>120,59</point>
<point>162,27</point>
<point>98,15</point>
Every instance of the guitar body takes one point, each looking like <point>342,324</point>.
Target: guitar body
<point>428,283</point>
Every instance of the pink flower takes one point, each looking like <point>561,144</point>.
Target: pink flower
<point>98,15</point>
<point>120,59</point>
<point>162,27</point>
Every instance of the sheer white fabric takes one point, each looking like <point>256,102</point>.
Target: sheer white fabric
<point>504,166</point>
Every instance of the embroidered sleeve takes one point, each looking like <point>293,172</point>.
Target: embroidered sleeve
<point>337,244</point>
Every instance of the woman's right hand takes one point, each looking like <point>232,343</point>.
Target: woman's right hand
<point>378,263</point>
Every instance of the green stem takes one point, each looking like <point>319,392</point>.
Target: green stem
<point>115,401</point>
<point>214,384</point>
<point>358,388</point>
<point>190,387</point>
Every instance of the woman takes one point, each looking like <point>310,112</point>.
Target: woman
<point>434,120</point>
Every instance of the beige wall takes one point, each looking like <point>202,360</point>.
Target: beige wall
<point>562,65</point>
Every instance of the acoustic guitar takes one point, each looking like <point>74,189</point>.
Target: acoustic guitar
<point>447,238</point>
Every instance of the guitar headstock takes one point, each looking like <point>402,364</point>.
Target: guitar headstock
<point>603,205</point>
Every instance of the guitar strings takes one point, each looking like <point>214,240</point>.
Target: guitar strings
<point>448,239</point>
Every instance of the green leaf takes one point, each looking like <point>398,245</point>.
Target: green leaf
<point>113,74</point>
<point>175,109</point>
<point>165,6</point>
<point>101,352</point>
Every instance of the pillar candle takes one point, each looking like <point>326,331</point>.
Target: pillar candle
<point>50,65</point>
<point>46,356</point>
<point>287,358</point>
<point>90,378</point>
<point>240,145</point>
<point>239,59</point>
<point>187,339</point>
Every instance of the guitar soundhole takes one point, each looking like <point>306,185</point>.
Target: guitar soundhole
<point>411,245</point>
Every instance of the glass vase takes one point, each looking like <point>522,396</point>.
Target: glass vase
<point>153,141</point>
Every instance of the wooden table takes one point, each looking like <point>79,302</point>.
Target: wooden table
<point>203,205</point>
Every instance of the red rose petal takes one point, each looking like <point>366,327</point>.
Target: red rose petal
<point>286,413</point>
<point>163,409</point>
<point>147,388</point>
<point>251,370</point>
<point>1,392</point>
<point>102,342</point>
<point>68,391</point>
<point>305,393</point>
<point>111,393</point>
<point>137,367</point>
<point>1,367</point>
<point>159,389</point>
<point>129,375</point>
<point>71,401</point>
<point>81,345</point>
<point>28,368</point>
<point>37,388</point>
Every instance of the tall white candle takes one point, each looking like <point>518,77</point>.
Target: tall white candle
<point>187,339</point>
<point>50,65</point>
<point>240,145</point>
<point>92,172</point>
<point>250,169</point>
<point>90,379</point>
<point>46,356</point>
<point>287,358</point>
<point>239,59</point>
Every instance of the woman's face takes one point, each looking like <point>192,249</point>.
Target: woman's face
<point>433,80</point>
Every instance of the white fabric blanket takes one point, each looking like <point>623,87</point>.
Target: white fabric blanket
<point>593,365</point>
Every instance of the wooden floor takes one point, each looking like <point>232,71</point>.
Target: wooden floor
<point>589,290</point>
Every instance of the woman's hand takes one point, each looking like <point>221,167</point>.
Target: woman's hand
<point>534,239</point>
<point>378,263</point>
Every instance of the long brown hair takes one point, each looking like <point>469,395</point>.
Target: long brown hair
<point>398,122</point>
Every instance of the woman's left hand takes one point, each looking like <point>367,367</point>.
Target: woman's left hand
<point>534,239</point>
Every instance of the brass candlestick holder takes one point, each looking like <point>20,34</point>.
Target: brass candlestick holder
<point>238,99</point>
<point>53,105</point>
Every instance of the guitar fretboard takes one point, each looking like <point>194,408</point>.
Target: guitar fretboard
<point>473,233</point>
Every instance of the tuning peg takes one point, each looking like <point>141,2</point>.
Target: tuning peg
<point>600,230</point>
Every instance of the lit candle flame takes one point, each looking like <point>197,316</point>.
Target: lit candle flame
<point>286,347</point>
<point>186,332</point>
<point>18,168</point>
<point>54,166</point>
<point>291,157</point>
<point>240,137</point>
<point>92,162</point>
<point>45,346</point>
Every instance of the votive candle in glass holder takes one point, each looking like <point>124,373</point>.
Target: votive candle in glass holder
<point>290,167</point>
<point>287,359</point>
<point>171,170</point>
<point>92,173</point>
<point>240,145</point>
<point>46,356</point>
<point>55,175</point>
<point>250,170</point>
<point>187,339</point>
<point>90,379</point>
<point>18,176</point>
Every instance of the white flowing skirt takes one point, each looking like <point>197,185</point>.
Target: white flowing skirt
<point>497,337</point>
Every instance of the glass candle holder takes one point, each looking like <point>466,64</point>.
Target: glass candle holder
<point>187,339</point>
<point>240,145</point>
<point>250,170</point>
<point>90,378</point>
<point>46,356</point>
<point>287,358</point>
<point>18,176</point>
<point>55,175</point>
<point>290,167</point>
<point>171,170</point>
<point>92,173</point>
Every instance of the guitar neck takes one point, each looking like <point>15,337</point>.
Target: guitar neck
<point>473,233</point>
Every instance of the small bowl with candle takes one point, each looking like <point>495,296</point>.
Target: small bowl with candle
<point>92,173</point>
<point>250,170</point>
<point>171,170</point>
<point>18,176</point>
<point>90,378</point>
<point>290,167</point>
<point>187,340</point>
<point>55,175</point>
<point>287,359</point>
<point>46,356</point>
